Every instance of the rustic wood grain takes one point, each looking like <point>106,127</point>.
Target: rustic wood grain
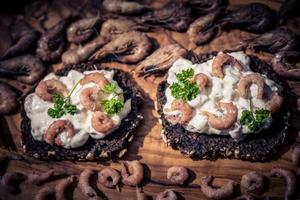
<point>147,146</point>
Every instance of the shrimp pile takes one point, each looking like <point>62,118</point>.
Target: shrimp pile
<point>177,175</point>
<point>8,99</point>
<point>109,177</point>
<point>132,173</point>
<point>253,182</point>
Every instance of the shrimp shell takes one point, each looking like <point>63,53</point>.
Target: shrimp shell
<point>220,61</point>
<point>132,172</point>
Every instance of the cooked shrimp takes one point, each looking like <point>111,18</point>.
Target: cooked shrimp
<point>220,61</point>
<point>101,122</point>
<point>90,98</point>
<point>82,30</point>
<point>109,177</point>
<point>97,78</point>
<point>61,187</point>
<point>202,80</point>
<point>246,81</point>
<point>274,103</point>
<point>225,121</point>
<point>177,175</point>
<point>185,115</point>
<point>123,7</point>
<point>47,88</point>
<point>129,47</point>
<point>132,172</point>
<point>56,128</point>
<point>84,185</point>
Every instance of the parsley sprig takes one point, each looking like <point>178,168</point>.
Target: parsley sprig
<point>254,120</point>
<point>185,89</point>
<point>113,105</point>
<point>62,105</point>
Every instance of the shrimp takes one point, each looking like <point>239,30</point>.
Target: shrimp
<point>82,53</point>
<point>253,182</point>
<point>56,128</point>
<point>274,103</point>
<point>220,61</point>
<point>109,177</point>
<point>26,69</point>
<point>132,173</point>
<point>161,60</point>
<point>166,195</point>
<point>84,184</point>
<point>246,81</point>
<point>90,98</point>
<point>8,99</point>
<point>61,187</point>
<point>186,112</point>
<point>101,122</point>
<point>129,47</point>
<point>202,80</point>
<point>123,7</point>
<point>47,88</point>
<point>97,78</point>
<point>227,120</point>
<point>82,30</point>
<point>177,175</point>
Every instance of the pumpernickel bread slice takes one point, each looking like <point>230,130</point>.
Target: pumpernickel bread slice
<point>113,145</point>
<point>255,147</point>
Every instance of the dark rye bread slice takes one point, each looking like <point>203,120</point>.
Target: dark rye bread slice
<point>112,146</point>
<point>255,147</point>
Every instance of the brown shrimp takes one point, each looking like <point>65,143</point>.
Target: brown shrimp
<point>47,88</point>
<point>44,193</point>
<point>102,122</point>
<point>186,112</point>
<point>123,7</point>
<point>177,175</point>
<point>8,99</point>
<point>227,120</point>
<point>274,103</point>
<point>166,195</point>
<point>90,98</point>
<point>10,180</point>
<point>109,177</point>
<point>253,182</point>
<point>201,80</point>
<point>132,172</point>
<point>56,128</point>
<point>216,193</point>
<point>246,81</point>
<point>82,30</point>
<point>60,188</point>
<point>96,77</point>
<point>130,47</point>
<point>220,61</point>
<point>84,184</point>
<point>26,69</point>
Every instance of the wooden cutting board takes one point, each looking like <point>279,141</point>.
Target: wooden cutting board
<point>147,146</point>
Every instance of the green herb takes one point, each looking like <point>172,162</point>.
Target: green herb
<point>254,120</point>
<point>112,106</point>
<point>185,88</point>
<point>110,88</point>
<point>62,105</point>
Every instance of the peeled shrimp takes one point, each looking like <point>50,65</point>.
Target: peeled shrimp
<point>47,88</point>
<point>220,61</point>
<point>129,47</point>
<point>274,103</point>
<point>246,81</point>
<point>132,172</point>
<point>56,128</point>
<point>84,185</point>
<point>82,30</point>
<point>109,177</point>
<point>227,120</point>
<point>186,112</point>
<point>8,99</point>
<point>177,175</point>
<point>201,80</point>
<point>90,98</point>
<point>123,7</point>
<point>97,78</point>
<point>102,122</point>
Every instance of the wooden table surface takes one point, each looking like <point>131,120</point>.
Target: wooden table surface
<point>147,146</point>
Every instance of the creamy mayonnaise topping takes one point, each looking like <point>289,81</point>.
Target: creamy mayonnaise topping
<point>219,90</point>
<point>36,109</point>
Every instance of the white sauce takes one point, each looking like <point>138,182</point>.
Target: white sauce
<point>223,90</point>
<point>36,109</point>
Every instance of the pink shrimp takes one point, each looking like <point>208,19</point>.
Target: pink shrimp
<point>246,81</point>
<point>56,128</point>
<point>47,88</point>
<point>220,61</point>
<point>101,122</point>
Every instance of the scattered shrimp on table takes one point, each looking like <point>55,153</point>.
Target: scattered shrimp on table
<point>274,103</point>
<point>130,47</point>
<point>201,80</point>
<point>185,115</point>
<point>57,127</point>
<point>102,122</point>
<point>124,7</point>
<point>90,98</point>
<point>82,30</point>
<point>167,195</point>
<point>8,98</point>
<point>246,81</point>
<point>46,89</point>
<point>253,182</point>
<point>226,120</point>
<point>45,192</point>
<point>10,180</point>
<point>132,173</point>
<point>61,187</point>
<point>26,69</point>
<point>177,175</point>
<point>109,177</point>
<point>220,61</point>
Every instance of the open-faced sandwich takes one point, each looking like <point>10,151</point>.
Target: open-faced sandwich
<point>227,105</point>
<point>81,113</point>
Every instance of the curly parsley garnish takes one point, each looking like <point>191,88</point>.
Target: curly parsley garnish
<point>113,105</point>
<point>62,105</point>
<point>254,120</point>
<point>185,89</point>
